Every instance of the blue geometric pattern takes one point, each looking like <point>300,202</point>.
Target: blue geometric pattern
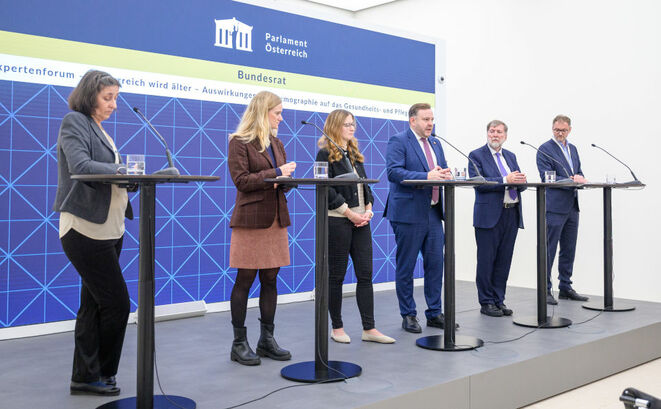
<point>37,282</point>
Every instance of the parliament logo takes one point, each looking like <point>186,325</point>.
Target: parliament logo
<point>231,33</point>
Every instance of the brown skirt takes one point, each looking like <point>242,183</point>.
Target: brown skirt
<point>259,248</point>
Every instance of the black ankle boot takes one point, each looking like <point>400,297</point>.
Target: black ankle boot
<point>266,346</point>
<point>241,351</point>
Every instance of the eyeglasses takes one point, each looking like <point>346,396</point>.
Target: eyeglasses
<point>349,125</point>
<point>556,130</point>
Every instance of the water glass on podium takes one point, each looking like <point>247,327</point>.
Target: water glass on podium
<point>549,176</point>
<point>320,170</point>
<point>135,164</point>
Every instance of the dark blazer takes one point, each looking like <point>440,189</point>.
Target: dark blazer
<point>256,201</point>
<point>489,198</point>
<point>338,195</point>
<point>406,160</point>
<point>82,148</point>
<point>564,199</point>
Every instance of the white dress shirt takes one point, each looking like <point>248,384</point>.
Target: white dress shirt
<point>507,198</point>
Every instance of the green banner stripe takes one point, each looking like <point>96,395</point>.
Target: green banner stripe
<point>83,53</point>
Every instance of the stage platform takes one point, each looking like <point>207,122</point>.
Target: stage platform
<point>193,359</point>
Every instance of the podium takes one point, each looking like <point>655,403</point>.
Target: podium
<point>542,320</point>
<point>145,398</point>
<point>607,304</point>
<point>321,369</point>
<point>449,341</point>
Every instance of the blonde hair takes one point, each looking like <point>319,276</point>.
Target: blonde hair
<point>255,120</point>
<point>333,128</point>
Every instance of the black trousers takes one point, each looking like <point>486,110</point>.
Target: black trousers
<point>104,306</point>
<point>345,239</point>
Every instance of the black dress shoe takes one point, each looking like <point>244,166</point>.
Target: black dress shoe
<point>506,311</point>
<point>439,322</point>
<point>572,295</point>
<point>410,324</point>
<point>491,310</point>
<point>550,300</point>
<point>93,388</point>
<point>109,380</point>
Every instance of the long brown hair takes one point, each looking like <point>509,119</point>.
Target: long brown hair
<point>333,128</point>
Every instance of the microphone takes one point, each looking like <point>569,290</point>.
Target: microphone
<point>568,179</point>
<point>345,158</point>
<point>170,170</point>
<point>635,179</point>
<point>478,178</point>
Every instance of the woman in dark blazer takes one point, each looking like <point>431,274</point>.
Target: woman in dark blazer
<point>259,223</point>
<point>349,233</point>
<point>91,231</point>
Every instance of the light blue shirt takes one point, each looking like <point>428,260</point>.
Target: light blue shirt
<point>565,150</point>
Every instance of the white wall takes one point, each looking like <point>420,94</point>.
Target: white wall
<point>523,62</point>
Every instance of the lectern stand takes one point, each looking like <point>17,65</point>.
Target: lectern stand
<point>449,341</point>
<point>145,398</point>
<point>321,369</point>
<point>542,320</point>
<point>607,303</point>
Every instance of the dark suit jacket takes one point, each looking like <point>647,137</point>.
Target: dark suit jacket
<point>338,195</point>
<point>406,160</point>
<point>256,201</point>
<point>564,199</point>
<point>489,198</point>
<point>82,148</point>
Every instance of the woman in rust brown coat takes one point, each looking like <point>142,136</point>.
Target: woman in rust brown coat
<point>259,222</point>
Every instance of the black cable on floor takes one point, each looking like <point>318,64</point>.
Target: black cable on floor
<point>160,388</point>
<point>588,320</point>
<point>538,327</point>
<point>283,388</point>
<point>158,379</point>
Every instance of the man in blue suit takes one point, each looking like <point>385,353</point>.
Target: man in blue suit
<point>416,215</point>
<point>561,206</point>
<point>497,218</point>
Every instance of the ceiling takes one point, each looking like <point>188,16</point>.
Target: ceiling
<point>352,5</point>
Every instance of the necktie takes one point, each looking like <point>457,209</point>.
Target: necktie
<point>503,173</point>
<point>565,150</point>
<point>430,162</point>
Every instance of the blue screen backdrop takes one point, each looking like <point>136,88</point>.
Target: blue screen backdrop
<point>37,282</point>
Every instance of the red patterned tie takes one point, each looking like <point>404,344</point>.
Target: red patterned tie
<point>430,162</point>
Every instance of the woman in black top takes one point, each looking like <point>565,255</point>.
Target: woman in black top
<point>349,211</point>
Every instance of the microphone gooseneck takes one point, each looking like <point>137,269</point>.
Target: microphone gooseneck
<point>635,179</point>
<point>569,179</point>
<point>170,170</point>
<point>345,158</point>
<point>479,177</point>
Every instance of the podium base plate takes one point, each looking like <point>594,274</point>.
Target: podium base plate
<point>551,322</point>
<point>308,372</point>
<point>160,402</point>
<point>600,306</point>
<point>461,343</point>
